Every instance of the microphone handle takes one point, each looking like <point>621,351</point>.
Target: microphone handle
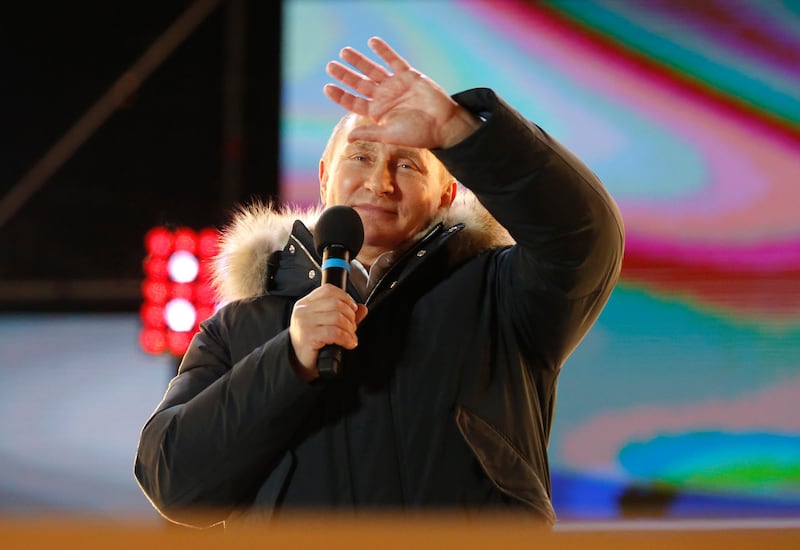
<point>334,258</point>
<point>329,362</point>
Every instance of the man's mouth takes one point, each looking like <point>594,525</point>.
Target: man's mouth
<point>375,209</point>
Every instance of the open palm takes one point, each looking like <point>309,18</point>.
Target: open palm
<point>406,107</point>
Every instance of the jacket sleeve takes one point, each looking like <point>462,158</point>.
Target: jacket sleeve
<point>221,427</point>
<point>554,282</point>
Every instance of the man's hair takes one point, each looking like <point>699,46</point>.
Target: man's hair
<point>341,126</point>
<point>333,138</point>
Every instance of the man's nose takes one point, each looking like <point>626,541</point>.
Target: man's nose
<point>380,180</point>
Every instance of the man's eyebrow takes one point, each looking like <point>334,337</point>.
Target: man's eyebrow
<point>414,155</point>
<point>410,153</point>
<point>361,145</point>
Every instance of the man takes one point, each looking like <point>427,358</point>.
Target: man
<point>449,382</point>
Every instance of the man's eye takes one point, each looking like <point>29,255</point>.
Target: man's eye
<point>360,158</point>
<point>406,166</point>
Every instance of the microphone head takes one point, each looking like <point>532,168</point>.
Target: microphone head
<point>339,225</point>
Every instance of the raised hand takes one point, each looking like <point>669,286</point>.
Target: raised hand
<point>406,107</point>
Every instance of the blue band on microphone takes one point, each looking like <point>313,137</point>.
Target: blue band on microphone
<point>336,262</point>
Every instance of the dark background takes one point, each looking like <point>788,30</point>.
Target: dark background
<point>159,159</point>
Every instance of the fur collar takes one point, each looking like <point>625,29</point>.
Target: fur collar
<point>257,230</point>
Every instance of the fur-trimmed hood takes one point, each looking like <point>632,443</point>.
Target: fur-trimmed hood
<point>257,230</point>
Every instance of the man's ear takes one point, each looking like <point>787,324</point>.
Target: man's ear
<point>449,195</point>
<point>323,182</point>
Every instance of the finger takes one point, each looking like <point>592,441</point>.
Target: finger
<point>370,68</point>
<point>307,340</point>
<point>332,292</point>
<point>342,301</point>
<point>367,132</point>
<point>352,79</point>
<point>385,52</point>
<point>351,102</point>
<point>326,313</point>
<point>328,335</point>
<point>339,337</point>
<point>343,320</point>
<point>327,297</point>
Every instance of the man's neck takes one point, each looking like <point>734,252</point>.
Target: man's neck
<point>368,255</point>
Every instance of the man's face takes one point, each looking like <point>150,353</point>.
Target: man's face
<point>395,190</point>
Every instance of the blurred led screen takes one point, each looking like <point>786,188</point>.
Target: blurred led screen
<point>688,387</point>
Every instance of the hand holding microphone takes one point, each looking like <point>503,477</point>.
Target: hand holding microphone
<point>325,321</point>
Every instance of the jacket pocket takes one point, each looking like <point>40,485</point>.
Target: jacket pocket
<point>503,464</point>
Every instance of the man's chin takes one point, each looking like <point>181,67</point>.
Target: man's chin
<point>380,241</point>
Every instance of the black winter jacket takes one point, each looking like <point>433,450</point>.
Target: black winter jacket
<point>448,399</point>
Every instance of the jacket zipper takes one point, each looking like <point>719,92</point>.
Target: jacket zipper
<point>307,253</point>
<point>433,232</point>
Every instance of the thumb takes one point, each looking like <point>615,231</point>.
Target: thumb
<point>361,312</point>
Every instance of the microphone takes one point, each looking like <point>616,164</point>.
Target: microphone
<point>338,237</point>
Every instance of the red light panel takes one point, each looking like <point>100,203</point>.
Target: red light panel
<point>155,291</point>
<point>204,273</point>
<point>204,295</point>
<point>203,313</point>
<point>208,243</point>
<point>153,315</point>
<point>182,290</point>
<point>158,242</point>
<point>177,342</point>
<point>155,268</point>
<point>185,239</point>
<point>158,289</point>
<point>153,340</point>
